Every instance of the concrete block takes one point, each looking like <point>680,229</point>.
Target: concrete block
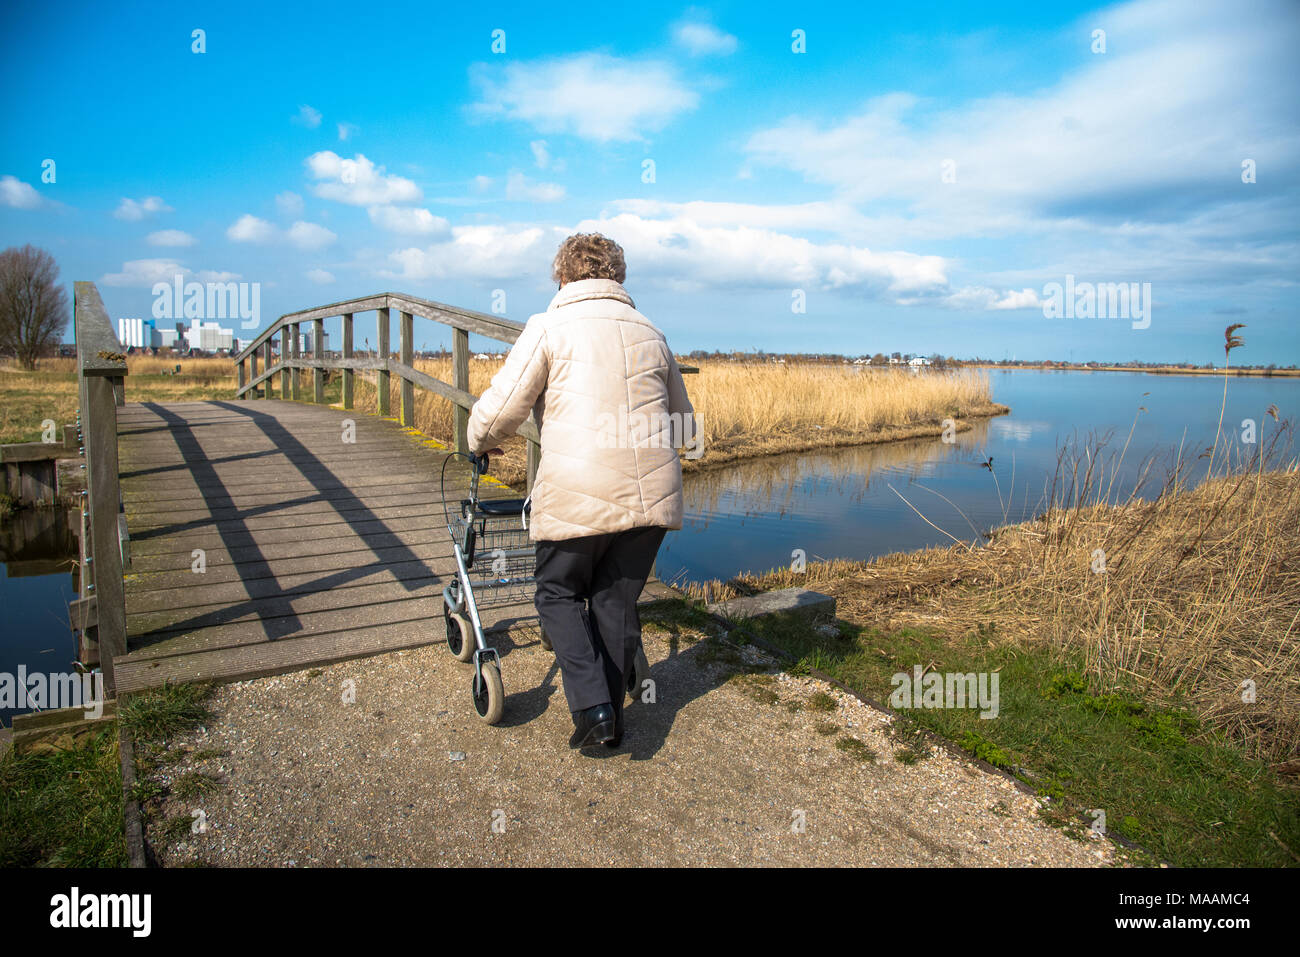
<point>810,606</point>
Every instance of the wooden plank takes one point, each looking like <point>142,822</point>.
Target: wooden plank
<point>481,323</point>
<point>318,312</point>
<point>269,658</point>
<point>335,592</point>
<point>315,551</point>
<point>32,452</point>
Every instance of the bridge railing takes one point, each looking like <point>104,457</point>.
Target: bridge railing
<point>288,361</point>
<point>100,610</point>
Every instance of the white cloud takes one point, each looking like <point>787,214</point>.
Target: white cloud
<point>321,277</point>
<point>307,116</point>
<point>685,255</point>
<point>359,182</point>
<point>519,186</point>
<point>14,192</point>
<point>592,95</point>
<point>249,229</point>
<point>833,217</point>
<point>700,38</point>
<point>135,210</point>
<point>310,235</point>
<point>480,252</point>
<point>481,183</point>
<point>541,156</point>
<point>145,272</point>
<point>170,237</point>
<point>346,130</point>
<point>408,219</point>
<point>1145,133</point>
<point>289,204</point>
<point>982,297</point>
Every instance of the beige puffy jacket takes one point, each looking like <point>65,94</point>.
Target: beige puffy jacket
<point>608,397</point>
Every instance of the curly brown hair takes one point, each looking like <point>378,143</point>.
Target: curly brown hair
<point>588,256</point>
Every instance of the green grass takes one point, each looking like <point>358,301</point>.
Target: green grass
<point>855,749</point>
<point>1183,794</point>
<point>152,716</point>
<point>27,399</point>
<point>63,808</point>
<point>154,719</point>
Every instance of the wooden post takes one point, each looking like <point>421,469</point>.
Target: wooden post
<point>407,334</point>
<point>101,386</point>
<point>296,346</point>
<point>99,428</point>
<point>347,354</point>
<point>284,362</point>
<point>460,379</point>
<point>318,352</point>
<point>239,371</point>
<point>252,364</point>
<point>534,460</point>
<point>270,364</point>
<point>381,331</point>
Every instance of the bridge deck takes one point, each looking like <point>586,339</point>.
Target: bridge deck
<point>316,550</point>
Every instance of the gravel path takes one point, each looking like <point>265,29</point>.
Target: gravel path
<point>724,768</point>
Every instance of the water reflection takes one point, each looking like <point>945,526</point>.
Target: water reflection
<point>867,501</point>
<point>38,550</point>
<point>786,486</point>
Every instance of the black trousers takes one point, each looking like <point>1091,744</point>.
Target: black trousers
<point>587,589</point>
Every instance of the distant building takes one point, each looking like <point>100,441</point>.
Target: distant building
<point>918,361</point>
<point>138,333</point>
<point>306,342</point>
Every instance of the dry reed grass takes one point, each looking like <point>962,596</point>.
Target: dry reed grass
<point>752,409</point>
<point>1183,597</point>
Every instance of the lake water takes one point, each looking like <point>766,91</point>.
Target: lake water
<point>859,502</point>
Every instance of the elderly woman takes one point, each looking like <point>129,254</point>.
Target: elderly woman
<point>609,400</point>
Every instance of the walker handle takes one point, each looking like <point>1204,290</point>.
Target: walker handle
<point>480,461</point>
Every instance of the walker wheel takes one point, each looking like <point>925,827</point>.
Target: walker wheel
<point>489,694</point>
<point>460,635</point>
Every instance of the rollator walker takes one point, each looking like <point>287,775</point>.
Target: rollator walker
<point>495,567</point>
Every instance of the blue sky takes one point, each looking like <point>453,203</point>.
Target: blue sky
<point>919,176</point>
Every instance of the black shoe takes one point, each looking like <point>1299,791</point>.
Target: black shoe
<point>594,725</point>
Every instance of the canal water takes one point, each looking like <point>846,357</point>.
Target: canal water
<point>868,501</point>
<point>37,553</point>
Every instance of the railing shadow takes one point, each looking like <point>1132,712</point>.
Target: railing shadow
<point>266,597</point>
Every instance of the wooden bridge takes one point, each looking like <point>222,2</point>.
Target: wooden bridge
<point>224,540</point>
